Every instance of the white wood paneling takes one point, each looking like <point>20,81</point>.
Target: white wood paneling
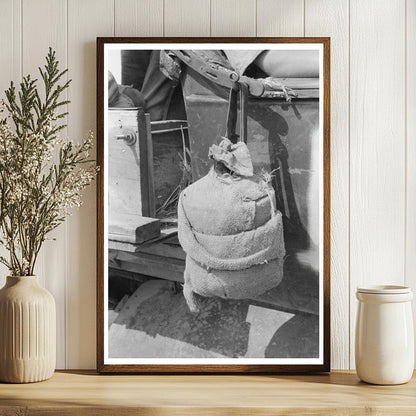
<point>11,64</point>
<point>44,24</point>
<point>138,17</point>
<point>86,21</point>
<point>377,153</point>
<point>330,18</point>
<point>10,44</point>
<point>187,18</point>
<point>411,148</point>
<point>280,18</point>
<point>233,17</point>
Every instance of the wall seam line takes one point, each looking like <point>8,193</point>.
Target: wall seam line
<point>405,145</point>
<point>210,18</point>
<point>349,186</point>
<point>21,39</point>
<point>304,17</point>
<point>13,32</point>
<point>163,18</point>
<point>114,18</point>
<point>67,231</point>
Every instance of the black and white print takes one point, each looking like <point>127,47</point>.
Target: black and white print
<point>213,203</point>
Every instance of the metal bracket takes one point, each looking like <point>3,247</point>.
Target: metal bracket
<point>129,137</point>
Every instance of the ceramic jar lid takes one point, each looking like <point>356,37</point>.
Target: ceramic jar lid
<point>384,289</point>
<point>384,294</point>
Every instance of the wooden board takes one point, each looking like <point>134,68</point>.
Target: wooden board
<point>186,18</point>
<point>330,18</point>
<point>129,188</point>
<point>85,20</point>
<point>134,229</point>
<point>233,18</point>
<point>280,18</point>
<point>377,148</point>
<point>11,66</point>
<point>297,292</point>
<point>147,264</point>
<point>36,40</point>
<point>138,17</point>
<point>84,393</point>
<point>410,262</point>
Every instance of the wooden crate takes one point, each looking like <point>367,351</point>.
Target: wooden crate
<point>130,183</point>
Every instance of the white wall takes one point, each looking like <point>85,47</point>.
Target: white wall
<point>373,131</point>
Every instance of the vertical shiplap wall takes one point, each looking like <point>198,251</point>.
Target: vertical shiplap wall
<point>35,40</point>
<point>377,145</point>
<point>86,19</point>
<point>373,132</point>
<point>410,114</point>
<point>331,18</point>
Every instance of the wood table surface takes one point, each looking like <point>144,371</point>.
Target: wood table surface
<point>86,393</point>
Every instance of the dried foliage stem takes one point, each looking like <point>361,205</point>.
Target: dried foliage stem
<point>41,175</point>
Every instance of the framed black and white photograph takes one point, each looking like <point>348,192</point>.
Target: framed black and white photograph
<point>213,205</point>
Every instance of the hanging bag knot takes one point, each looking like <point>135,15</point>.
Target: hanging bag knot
<point>235,157</point>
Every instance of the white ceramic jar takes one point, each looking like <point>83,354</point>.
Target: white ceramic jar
<point>384,338</point>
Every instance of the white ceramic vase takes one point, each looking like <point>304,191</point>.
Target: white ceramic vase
<point>384,341</point>
<point>27,331</point>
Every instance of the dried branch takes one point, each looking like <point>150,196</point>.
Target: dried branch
<point>41,176</point>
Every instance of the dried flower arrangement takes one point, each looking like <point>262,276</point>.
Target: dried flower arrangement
<point>42,176</point>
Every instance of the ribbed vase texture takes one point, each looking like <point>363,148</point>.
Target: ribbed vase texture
<point>27,331</point>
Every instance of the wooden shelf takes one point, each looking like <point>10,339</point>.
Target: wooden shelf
<point>86,393</point>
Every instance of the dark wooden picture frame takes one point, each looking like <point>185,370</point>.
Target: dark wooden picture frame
<point>103,367</point>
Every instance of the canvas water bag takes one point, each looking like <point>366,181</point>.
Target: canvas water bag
<point>230,230</point>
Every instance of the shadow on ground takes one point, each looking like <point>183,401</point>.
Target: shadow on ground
<point>156,322</point>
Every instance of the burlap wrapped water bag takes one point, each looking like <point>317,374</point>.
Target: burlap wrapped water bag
<point>230,229</point>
